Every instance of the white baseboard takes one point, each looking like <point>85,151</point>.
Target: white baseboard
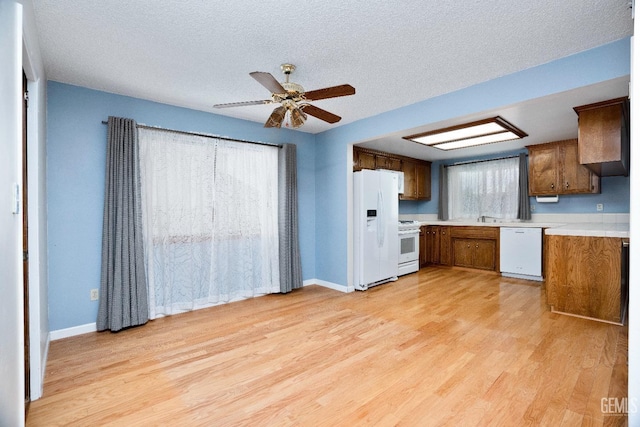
<point>330,285</point>
<point>71,332</point>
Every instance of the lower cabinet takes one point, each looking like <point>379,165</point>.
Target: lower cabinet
<point>583,276</point>
<point>423,246</point>
<point>472,253</point>
<point>461,246</point>
<point>476,247</point>
<point>445,245</point>
<point>435,245</point>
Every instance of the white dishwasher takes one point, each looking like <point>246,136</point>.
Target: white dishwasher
<point>521,252</point>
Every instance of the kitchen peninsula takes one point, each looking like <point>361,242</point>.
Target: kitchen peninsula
<point>586,269</point>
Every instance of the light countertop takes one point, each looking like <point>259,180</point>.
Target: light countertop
<point>490,223</point>
<point>601,229</point>
<point>607,228</point>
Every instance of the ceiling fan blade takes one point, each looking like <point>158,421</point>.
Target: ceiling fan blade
<point>242,104</point>
<point>330,92</point>
<point>268,81</point>
<point>276,118</point>
<point>320,113</point>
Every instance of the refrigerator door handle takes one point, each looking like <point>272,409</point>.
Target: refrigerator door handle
<point>381,219</point>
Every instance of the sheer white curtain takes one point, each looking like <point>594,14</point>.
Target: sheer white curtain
<point>210,219</point>
<point>487,188</point>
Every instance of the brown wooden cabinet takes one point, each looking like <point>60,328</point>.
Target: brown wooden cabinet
<point>583,276</point>
<point>410,185</point>
<point>371,159</point>
<point>423,246</point>
<point>363,160</point>
<point>475,247</point>
<point>423,181</point>
<point>603,136</point>
<point>435,245</point>
<point>461,246</point>
<point>444,245</point>
<point>554,169</point>
<point>417,180</point>
<point>390,163</point>
<point>475,253</point>
<point>417,173</point>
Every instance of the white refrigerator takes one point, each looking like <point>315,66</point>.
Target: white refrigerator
<point>375,206</point>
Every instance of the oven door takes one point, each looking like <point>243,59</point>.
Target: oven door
<point>409,246</point>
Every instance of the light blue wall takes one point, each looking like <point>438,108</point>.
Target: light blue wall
<point>593,66</point>
<point>76,153</point>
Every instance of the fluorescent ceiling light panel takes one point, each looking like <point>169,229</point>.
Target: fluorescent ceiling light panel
<point>464,133</point>
<point>480,140</point>
<point>481,132</point>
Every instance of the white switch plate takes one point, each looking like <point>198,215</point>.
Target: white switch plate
<point>599,207</point>
<point>15,206</point>
<point>94,295</point>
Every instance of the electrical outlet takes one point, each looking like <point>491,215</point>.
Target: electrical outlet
<point>532,208</point>
<point>599,207</point>
<point>94,295</point>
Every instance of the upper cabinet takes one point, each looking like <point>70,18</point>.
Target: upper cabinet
<point>417,180</point>
<point>417,173</point>
<point>363,160</point>
<point>386,162</point>
<point>369,159</point>
<point>603,136</point>
<point>554,169</point>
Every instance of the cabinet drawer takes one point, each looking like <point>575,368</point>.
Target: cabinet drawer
<point>475,232</point>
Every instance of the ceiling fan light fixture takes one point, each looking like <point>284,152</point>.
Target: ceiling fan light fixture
<point>297,117</point>
<point>481,132</point>
<point>276,118</point>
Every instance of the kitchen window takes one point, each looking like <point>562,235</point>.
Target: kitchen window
<point>486,188</point>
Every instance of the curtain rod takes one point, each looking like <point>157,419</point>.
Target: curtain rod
<point>485,160</point>
<point>183,132</point>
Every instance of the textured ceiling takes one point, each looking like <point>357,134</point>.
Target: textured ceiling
<point>395,53</point>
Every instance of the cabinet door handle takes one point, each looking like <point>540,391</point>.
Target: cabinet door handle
<point>566,185</point>
<point>553,186</point>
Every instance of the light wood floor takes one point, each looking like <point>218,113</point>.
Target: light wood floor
<point>441,347</point>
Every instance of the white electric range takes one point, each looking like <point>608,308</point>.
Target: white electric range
<point>408,246</point>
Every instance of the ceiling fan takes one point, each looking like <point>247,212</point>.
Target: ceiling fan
<point>293,99</point>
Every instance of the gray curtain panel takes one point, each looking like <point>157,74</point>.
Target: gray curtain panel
<point>443,194</point>
<point>524,205</point>
<point>123,285</point>
<point>290,264</point>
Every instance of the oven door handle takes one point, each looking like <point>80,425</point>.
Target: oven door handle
<point>406,232</point>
